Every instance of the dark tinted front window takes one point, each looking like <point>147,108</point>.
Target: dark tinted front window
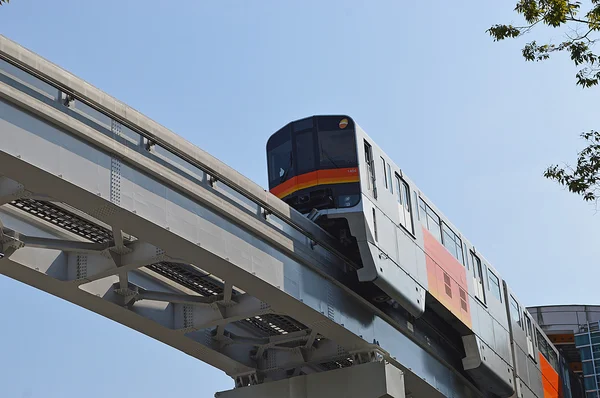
<point>304,124</point>
<point>337,149</point>
<point>280,160</point>
<point>305,152</point>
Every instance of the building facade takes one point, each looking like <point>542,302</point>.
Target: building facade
<point>575,331</point>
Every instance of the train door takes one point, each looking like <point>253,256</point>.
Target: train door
<point>478,278</point>
<point>371,184</point>
<point>403,199</point>
<point>530,336</point>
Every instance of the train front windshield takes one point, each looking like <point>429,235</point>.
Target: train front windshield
<point>313,163</point>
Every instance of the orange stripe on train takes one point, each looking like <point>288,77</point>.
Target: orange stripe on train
<point>319,177</point>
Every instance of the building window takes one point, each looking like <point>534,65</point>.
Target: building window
<point>452,242</point>
<point>494,285</point>
<point>430,220</point>
<point>478,278</point>
<point>371,186</point>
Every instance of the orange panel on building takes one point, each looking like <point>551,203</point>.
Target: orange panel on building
<point>562,338</point>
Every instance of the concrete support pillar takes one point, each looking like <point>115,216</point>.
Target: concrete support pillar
<point>370,380</point>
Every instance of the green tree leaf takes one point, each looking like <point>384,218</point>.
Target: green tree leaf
<point>580,23</point>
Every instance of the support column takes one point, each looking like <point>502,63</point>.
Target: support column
<point>370,380</point>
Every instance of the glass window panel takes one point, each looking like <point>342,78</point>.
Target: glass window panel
<point>583,339</point>
<point>448,240</point>
<point>542,344</point>
<point>305,152</point>
<point>588,367</point>
<point>589,382</point>
<point>422,211</point>
<point>434,227</point>
<point>337,149</point>
<point>281,166</point>
<point>585,353</point>
<point>433,215</point>
<point>370,169</point>
<point>478,276</point>
<point>303,124</point>
<point>406,196</point>
<point>385,178</point>
<point>553,359</point>
<point>459,252</point>
<point>494,285</point>
<point>514,311</point>
<point>398,192</point>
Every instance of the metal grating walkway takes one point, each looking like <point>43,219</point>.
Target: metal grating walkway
<point>183,274</point>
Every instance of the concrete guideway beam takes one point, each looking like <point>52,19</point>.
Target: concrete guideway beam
<point>370,380</point>
<point>50,150</point>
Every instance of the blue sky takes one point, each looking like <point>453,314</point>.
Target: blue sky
<point>467,119</point>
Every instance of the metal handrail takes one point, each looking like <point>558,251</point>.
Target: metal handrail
<point>78,89</point>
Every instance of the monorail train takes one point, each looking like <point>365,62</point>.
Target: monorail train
<point>409,254</point>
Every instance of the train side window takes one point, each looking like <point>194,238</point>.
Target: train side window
<point>398,191</point>
<point>403,199</point>
<point>529,334</point>
<point>515,313</point>
<point>478,278</point>
<point>407,208</point>
<point>494,285</point>
<point>430,220</point>
<point>422,212</point>
<point>452,242</point>
<point>385,177</point>
<point>542,345</point>
<point>553,359</point>
<point>371,186</point>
